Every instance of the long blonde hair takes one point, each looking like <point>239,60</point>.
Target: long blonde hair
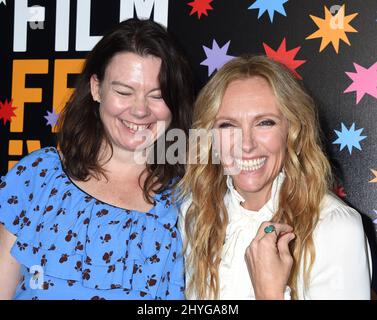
<point>307,170</point>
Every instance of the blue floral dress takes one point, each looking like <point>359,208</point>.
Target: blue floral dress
<point>73,246</point>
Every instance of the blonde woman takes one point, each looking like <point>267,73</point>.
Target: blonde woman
<point>272,229</point>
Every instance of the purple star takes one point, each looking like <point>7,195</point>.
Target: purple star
<point>51,118</point>
<point>216,57</point>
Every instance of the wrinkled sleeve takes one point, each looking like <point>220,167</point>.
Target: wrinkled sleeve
<point>342,267</point>
<point>16,194</point>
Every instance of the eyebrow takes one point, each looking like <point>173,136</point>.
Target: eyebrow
<point>264,115</point>
<point>118,83</point>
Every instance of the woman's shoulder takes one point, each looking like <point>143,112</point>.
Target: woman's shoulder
<point>47,157</point>
<point>331,205</point>
<point>338,217</point>
<point>50,153</point>
<point>32,170</point>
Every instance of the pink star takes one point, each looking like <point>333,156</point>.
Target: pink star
<point>364,81</point>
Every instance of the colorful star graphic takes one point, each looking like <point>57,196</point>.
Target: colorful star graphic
<point>285,57</point>
<point>269,5</point>
<point>6,111</point>
<point>333,28</point>
<point>374,180</point>
<point>374,217</point>
<point>200,7</point>
<point>216,57</point>
<point>51,118</point>
<point>364,81</point>
<point>340,192</point>
<point>375,220</point>
<point>349,138</point>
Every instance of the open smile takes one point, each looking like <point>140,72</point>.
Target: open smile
<point>136,127</point>
<point>250,165</point>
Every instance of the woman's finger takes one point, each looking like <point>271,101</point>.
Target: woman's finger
<point>272,230</point>
<point>283,245</point>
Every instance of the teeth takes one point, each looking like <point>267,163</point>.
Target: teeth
<point>250,165</point>
<point>135,127</point>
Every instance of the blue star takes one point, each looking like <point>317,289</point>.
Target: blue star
<point>51,118</point>
<point>269,5</point>
<point>349,138</point>
<point>216,57</point>
<point>375,214</point>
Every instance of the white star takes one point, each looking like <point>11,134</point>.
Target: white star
<point>3,1</point>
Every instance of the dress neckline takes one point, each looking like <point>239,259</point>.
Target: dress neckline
<point>95,198</point>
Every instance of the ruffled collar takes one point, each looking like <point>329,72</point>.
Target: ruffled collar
<point>234,199</point>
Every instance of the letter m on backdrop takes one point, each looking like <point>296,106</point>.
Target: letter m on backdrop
<point>143,9</point>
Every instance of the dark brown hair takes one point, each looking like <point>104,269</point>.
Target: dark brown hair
<point>80,129</point>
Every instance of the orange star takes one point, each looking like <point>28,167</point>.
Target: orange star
<point>333,28</point>
<point>375,174</point>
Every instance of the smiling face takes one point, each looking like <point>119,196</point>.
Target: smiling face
<point>251,106</point>
<point>130,100</point>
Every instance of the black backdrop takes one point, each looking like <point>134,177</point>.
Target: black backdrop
<point>227,22</point>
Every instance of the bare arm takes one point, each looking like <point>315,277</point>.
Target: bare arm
<point>10,268</point>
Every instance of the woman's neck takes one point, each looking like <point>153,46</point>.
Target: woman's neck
<point>120,162</point>
<point>255,201</point>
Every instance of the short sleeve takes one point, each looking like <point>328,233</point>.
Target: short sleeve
<point>16,193</point>
<point>21,186</point>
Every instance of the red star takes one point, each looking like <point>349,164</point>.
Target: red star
<point>6,111</point>
<point>340,192</point>
<point>285,57</point>
<point>201,7</point>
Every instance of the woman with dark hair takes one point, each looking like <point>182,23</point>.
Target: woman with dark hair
<point>94,219</point>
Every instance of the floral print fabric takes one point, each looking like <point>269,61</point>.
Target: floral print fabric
<point>73,246</point>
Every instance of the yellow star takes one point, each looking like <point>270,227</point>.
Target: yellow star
<point>333,28</point>
<point>375,174</point>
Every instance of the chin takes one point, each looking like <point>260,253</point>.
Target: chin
<point>245,186</point>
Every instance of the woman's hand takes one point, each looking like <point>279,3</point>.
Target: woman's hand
<point>269,261</point>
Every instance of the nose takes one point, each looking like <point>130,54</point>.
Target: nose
<point>248,140</point>
<point>140,108</point>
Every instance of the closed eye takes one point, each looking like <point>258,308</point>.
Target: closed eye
<point>123,93</point>
<point>156,97</point>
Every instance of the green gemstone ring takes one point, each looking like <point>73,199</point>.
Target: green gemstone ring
<point>270,228</point>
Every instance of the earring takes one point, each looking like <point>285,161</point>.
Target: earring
<point>216,154</point>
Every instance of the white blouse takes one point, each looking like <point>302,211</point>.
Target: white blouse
<point>342,266</point>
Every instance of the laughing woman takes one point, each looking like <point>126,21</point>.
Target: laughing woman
<point>90,221</point>
<point>262,224</point>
